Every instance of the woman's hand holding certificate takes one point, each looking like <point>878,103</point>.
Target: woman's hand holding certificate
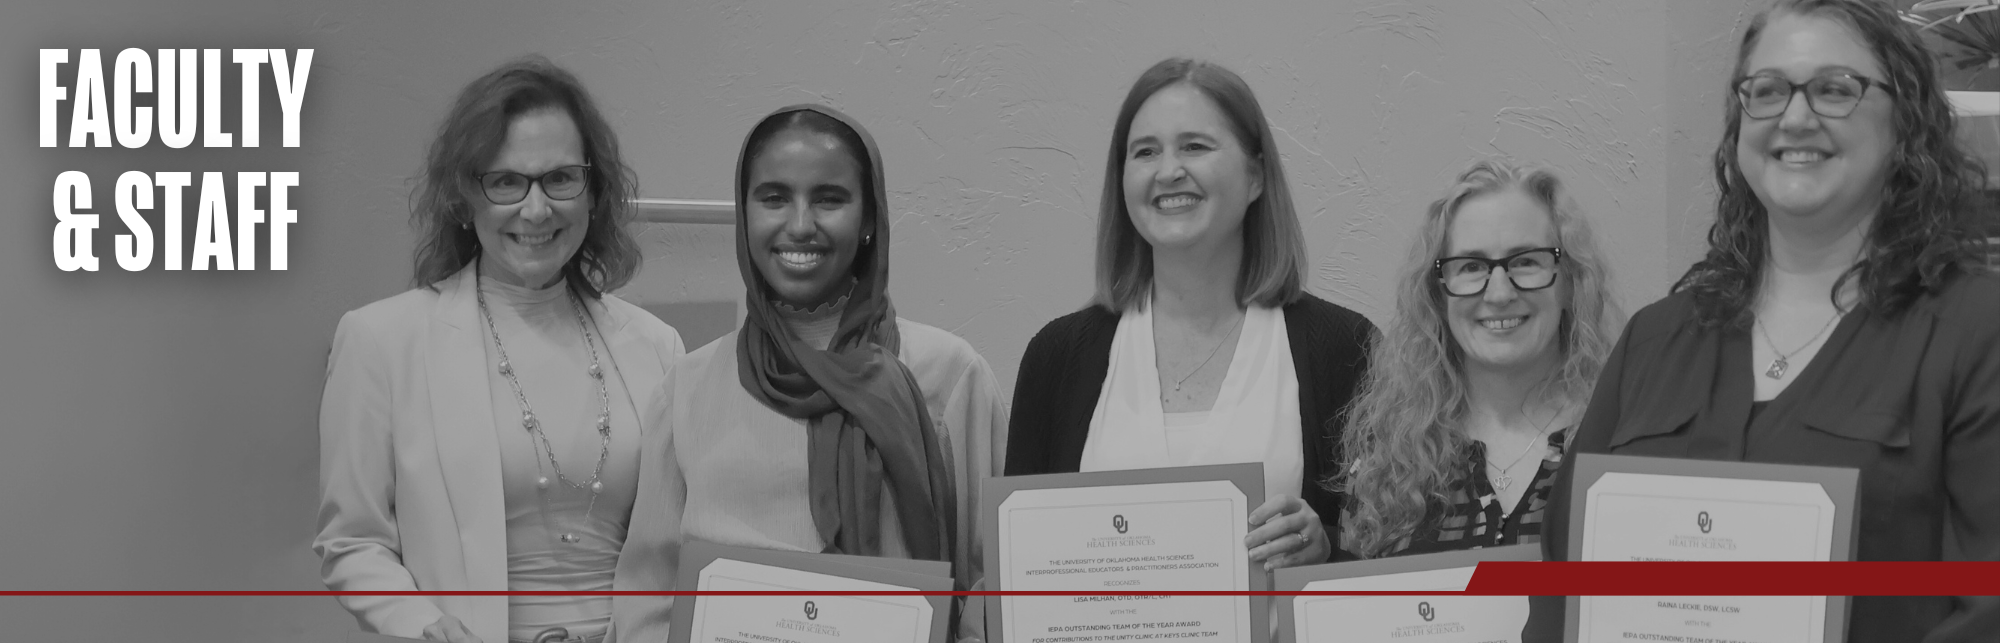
<point>1125,531</point>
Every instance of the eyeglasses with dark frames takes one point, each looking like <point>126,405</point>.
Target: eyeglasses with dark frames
<point>1830,95</point>
<point>560,184</point>
<point>1528,270</point>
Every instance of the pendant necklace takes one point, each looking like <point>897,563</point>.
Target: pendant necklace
<point>1778,366</point>
<point>1211,352</point>
<point>534,425</point>
<point>1502,481</point>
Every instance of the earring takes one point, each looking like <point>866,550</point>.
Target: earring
<point>867,239</point>
<point>465,225</point>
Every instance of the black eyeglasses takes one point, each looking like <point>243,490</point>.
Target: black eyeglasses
<point>1830,95</point>
<point>1532,269</point>
<point>509,188</point>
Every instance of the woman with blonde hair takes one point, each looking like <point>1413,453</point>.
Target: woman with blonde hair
<point>1503,320</point>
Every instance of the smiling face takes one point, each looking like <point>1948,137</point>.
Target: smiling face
<point>1504,328</point>
<point>1801,164</point>
<point>1188,180</point>
<point>526,244</point>
<point>804,216</point>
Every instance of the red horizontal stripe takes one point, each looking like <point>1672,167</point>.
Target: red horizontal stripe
<point>1736,579</point>
<point>708,593</point>
<point>1492,579</point>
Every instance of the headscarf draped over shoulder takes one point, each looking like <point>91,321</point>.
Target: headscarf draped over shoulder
<point>865,414</point>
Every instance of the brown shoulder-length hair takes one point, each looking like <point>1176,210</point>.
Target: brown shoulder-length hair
<point>471,136</point>
<point>1924,231</point>
<point>1274,247</point>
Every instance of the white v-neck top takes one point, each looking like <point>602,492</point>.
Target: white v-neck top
<point>1255,417</point>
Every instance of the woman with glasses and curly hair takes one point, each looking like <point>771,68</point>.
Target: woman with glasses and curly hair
<point>1840,317</point>
<point>481,432</point>
<point>1502,322</point>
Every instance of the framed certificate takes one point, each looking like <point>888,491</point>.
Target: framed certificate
<point>1171,529</point>
<point>1386,619</point>
<point>1626,508</point>
<point>807,619</point>
<point>369,637</point>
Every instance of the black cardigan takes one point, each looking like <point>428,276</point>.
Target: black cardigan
<point>1064,368</point>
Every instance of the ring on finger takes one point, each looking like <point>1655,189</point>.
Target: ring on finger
<point>1303,539</point>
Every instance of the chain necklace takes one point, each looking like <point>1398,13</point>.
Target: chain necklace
<point>1211,352</point>
<point>1777,368</point>
<point>1502,481</point>
<point>534,425</point>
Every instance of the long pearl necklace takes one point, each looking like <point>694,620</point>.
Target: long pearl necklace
<point>534,426</point>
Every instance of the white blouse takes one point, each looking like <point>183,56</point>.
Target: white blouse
<point>1255,417</point>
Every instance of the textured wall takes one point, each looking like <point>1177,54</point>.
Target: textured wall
<point>995,118</point>
<point>159,427</point>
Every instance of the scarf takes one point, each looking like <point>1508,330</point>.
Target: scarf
<point>865,415</point>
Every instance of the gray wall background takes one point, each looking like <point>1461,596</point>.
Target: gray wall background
<point>159,428</point>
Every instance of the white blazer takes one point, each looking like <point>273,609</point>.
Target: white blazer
<point>410,492</point>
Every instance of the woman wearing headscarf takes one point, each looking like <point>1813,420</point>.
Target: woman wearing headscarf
<point>481,432</point>
<point>825,423</point>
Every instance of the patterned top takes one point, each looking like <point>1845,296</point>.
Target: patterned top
<point>1474,517</point>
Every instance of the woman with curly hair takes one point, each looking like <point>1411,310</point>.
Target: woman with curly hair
<point>1840,317</point>
<point>1502,323</point>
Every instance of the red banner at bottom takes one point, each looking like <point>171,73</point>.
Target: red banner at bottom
<point>1653,578</point>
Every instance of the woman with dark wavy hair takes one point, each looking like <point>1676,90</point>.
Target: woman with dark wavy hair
<point>1840,317</point>
<point>1503,320</point>
<point>481,432</point>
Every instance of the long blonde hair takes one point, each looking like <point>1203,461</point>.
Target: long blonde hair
<point>1404,445</point>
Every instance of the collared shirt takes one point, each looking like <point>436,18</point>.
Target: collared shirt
<point>1912,400</point>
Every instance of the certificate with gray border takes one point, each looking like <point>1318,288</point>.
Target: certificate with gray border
<point>898,574</point>
<point>370,637</point>
<point>1123,553</point>
<point>1730,508</point>
<point>1405,618</point>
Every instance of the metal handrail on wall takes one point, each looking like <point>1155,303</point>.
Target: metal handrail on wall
<point>650,210</point>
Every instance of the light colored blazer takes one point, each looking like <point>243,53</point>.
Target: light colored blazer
<point>410,492</point>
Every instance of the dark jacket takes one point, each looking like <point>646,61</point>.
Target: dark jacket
<point>1913,401</point>
<point>1063,372</point>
